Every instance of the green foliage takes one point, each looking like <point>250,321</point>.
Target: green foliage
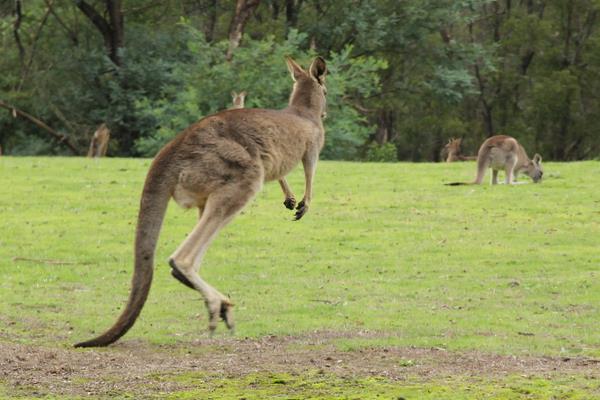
<point>350,78</point>
<point>204,84</point>
<point>381,153</point>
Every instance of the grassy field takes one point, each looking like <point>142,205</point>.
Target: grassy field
<point>387,258</point>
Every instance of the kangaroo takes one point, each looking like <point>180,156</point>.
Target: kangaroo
<point>217,165</point>
<point>504,152</point>
<point>99,143</point>
<point>238,100</point>
<point>454,153</point>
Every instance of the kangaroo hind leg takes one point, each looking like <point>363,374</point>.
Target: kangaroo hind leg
<point>494,177</point>
<point>220,208</point>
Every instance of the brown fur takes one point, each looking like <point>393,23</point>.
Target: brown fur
<point>99,143</point>
<point>453,151</point>
<point>505,152</point>
<point>290,200</point>
<point>217,165</point>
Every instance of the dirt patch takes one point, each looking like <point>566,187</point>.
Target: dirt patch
<point>139,368</point>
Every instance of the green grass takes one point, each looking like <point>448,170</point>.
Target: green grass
<point>318,386</point>
<point>315,385</point>
<point>385,247</point>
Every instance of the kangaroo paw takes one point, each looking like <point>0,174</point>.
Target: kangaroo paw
<point>289,203</point>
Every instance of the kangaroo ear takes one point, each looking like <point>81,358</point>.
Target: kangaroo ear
<point>233,94</point>
<point>295,69</point>
<point>537,158</point>
<point>243,93</point>
<point>318,69</point>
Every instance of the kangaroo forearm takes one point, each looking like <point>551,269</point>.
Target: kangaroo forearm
<point>287,191</point>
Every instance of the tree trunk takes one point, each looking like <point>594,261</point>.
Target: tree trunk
<point>112,29</point>
<point>16,26</point>
<point>209,29</point>
<point>243,12</point>
<point>292,9</point>
<point>385,127</point>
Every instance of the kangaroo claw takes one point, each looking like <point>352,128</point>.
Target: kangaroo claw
<point>302,208</point>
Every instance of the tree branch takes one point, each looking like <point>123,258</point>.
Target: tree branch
<point>72,35</point>
<point>112,31</point>
<point>243,11</point>
<point>16,26</point>
<point>27,66</point>
<point>96,18</point>
<point>62,139</point>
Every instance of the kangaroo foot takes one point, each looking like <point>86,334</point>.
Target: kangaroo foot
<point>222,309</point>
<point>301,209</point>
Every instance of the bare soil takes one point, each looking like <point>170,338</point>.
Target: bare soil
<point>139,368</point>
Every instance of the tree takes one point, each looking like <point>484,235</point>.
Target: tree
<point>111,28</point>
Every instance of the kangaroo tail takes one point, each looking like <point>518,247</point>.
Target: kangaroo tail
<point>155,198</point>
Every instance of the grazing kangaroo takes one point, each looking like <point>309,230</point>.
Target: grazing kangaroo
<point>218,164</point>
<point>99,143</point>
<point>504,152</point>
<point>454,153</point>
<point>238,100</point>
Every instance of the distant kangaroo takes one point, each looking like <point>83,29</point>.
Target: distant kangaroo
<point>504,152</point>
<point>238,100</point>
<point>218,164</point>
<point>99,143</point>
<point>454,152</point>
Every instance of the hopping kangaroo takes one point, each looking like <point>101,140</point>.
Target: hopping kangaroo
<point>453,151</point>
<point>217,165</point>
<point>504,152</point>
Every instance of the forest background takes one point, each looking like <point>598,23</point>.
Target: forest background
<point>404,76</point>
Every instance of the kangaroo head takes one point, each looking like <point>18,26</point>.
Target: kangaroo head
<point>238,99</point>
<point>534,168</point>
<point>452,148</point>
<point>309,87</point>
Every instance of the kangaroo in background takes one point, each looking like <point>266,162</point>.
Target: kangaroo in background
<point>217,165</point>
<point>99,143</point>
<point>453,151</point>
<point>504,152</point>
<point>238,99</point>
